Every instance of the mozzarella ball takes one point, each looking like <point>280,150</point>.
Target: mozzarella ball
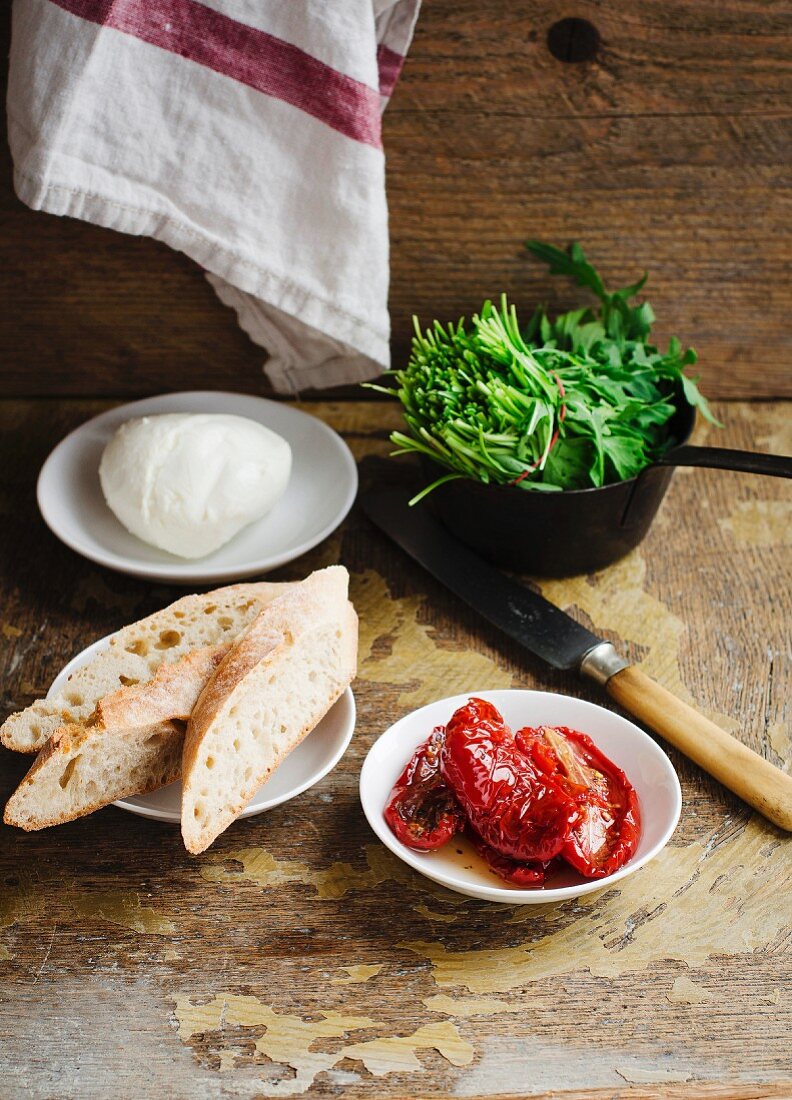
<point>187,483</point>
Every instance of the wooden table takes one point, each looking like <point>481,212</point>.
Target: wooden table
<point>298,956</point>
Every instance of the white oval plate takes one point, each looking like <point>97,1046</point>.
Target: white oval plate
<point>320,492</point>
<point>456,865</point>
<point>313,758</point>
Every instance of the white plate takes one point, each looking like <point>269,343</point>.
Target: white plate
<point>456,865</point>
<point>317,755</point>
<point>321,490</point>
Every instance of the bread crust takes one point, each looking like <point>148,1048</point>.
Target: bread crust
<point>172,693</point>
<point>61,748</point>
<point>267,639</point>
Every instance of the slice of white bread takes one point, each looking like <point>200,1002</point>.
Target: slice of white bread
<point>132,746</point>
<point>135,654</point>
<point>83,768</point>
<point>279,679</point>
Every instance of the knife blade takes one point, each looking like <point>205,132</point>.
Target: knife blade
<point>556,638</point>
<point>531,620</point>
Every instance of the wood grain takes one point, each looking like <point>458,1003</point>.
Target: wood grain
<point>126,964</point>
<point>669,150</point>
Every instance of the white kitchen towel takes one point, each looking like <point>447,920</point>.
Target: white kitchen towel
<point>245,133</point>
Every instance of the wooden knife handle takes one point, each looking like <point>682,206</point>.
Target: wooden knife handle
<point>754,779</point>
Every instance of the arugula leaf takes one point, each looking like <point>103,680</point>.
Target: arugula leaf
<point>572,263</point>
<point>568,463</point>
<point>626,455</point>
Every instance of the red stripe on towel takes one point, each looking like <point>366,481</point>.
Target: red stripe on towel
<point>390,65</point>
<point>251,56</point>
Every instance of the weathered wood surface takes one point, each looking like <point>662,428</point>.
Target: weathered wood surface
<point>669,150</point>
<point>298,956</point>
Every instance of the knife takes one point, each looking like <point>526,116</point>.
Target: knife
<point>555,637</point>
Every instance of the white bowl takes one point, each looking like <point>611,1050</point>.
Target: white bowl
<point>320,492</point>
<point>456,865</point>
<point>313,758</point>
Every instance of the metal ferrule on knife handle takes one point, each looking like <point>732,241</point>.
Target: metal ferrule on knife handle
<point>602,662</point>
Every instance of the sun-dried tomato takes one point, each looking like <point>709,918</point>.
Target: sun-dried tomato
<point>422,811</point>
<point>515,807</point>
<point>527,875</point>
<point>609,827</point>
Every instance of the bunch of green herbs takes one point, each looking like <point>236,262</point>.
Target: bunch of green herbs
<point>572,403</point>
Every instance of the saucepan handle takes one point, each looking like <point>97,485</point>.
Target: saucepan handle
<point>722,458</point>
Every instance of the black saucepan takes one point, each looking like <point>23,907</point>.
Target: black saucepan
<point>578,530</point>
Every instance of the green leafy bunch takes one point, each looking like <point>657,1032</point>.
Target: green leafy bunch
<point>572,403</point>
